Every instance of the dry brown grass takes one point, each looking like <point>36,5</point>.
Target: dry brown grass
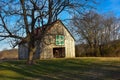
<point>9,54</point>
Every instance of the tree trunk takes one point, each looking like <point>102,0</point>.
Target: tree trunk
<point>31,53</point>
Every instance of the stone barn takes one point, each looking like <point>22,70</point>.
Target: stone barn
<point>57,43</point>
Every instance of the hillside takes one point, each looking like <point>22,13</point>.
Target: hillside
<point>9,54</point>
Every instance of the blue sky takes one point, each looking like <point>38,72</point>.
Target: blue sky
<point>104,6</point>
<point>109,6</point>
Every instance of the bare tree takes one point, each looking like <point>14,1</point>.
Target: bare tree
<point>20,18</point>
<point>96,30</point>
<point>111,27</point>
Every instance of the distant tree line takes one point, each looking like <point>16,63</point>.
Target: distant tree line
<point>97,34</point>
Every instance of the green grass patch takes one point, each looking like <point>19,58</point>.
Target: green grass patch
<point>83,68</point>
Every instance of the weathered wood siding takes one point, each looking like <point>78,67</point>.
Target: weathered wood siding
<point>69,45</point>
<point>22,51</point>
<point>59,29</point>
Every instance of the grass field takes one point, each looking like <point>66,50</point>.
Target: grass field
<point>62,69</point>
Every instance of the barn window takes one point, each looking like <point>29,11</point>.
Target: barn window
<point>59,39</point>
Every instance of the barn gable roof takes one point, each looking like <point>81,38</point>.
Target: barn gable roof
<point>51,25</point>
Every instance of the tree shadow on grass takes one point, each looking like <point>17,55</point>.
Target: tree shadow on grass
<point>26,72</point>
<point>61,69</point>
